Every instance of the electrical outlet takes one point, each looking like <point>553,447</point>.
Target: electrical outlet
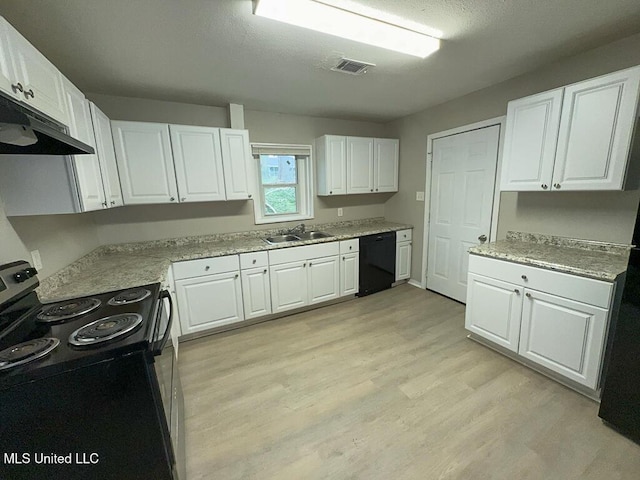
<point>36,259</point>
<point>420,196</point>
<point>340,212</point>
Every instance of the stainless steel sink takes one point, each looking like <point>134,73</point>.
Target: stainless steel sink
<point>312,235</point>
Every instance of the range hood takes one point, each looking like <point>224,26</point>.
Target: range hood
<point>24,132</point>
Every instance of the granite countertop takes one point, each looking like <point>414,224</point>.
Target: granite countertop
<point>114,267</point>
<point>585,258</point>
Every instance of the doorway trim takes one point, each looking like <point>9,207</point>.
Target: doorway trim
<point>427,197</point>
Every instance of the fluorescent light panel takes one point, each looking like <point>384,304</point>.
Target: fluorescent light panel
<point>341,23</point>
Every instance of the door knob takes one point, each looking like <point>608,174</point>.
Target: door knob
<point>482,238</point>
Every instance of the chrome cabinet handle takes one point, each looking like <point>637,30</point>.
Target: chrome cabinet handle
<point>29,93</point>
<point>528,295</point>
<point>304,265</point>
<point>249,195</point>
<point>344,259</point>
<point>173,199</point>
<point>104,204</point>
<point>206,269</point>
<point>264,271</point>
<point>376,189</point>
<point>372,189</point>
<point>183,199</point>
<point>544,186</point>
<point>236,275</point>
<point>112,202</point>
<point>17,87</point>
<point>482,238</point>
<point>524,277</point>
<point>254,261</point>
<point>556,186</point>
<point>517,291</point>
<point>331,192</point>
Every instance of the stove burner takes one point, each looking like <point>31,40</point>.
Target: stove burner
<point>105,329</point>
<point>26,352</point>
<point>69,309</point>
<point>130,296</point>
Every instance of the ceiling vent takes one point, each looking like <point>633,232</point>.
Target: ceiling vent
<point>352,67</point>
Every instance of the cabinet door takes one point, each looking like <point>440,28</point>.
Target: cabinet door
<point>494,310</point>
<point>87,167</point>
<point>145,163</point>
<point>8,82</point>
<point>359,165</point>
<point>324,279</point>
<point>106,157</point>
<point>403,260</point>
<point>530,142</point>
<point>564,336</point>
<point>386,164</point>
<point>349,274</point>
<point>332,165</point>
<point>598,118</point>
<point>238,165</point>
<point>256,292</point>
<point>198,162</point>
<point>288,286</point>
<point>209,301</point>
<point>40,79</point>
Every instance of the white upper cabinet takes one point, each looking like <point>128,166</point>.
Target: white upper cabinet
<point>351,165</point>
<point>198,163</point>
<point>35,80</point>
<point>239,172</point>
<point>530,141</point>
<point>106,157</point>
<point>145,162</point>
<point>359,165</point>
<point>596,130</point>
<point>386,155</point>
<point>331,161</point>
<point>575,138</point>
<point>87,167</point>
<point>7,76</point>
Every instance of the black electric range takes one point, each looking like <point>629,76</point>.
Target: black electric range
<point>86,384</point>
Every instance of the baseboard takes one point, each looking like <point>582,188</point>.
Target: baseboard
<point>416,284</point>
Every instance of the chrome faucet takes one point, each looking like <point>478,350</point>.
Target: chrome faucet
<point>300,228</point>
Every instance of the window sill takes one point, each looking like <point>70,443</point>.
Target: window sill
<point>283,219</point>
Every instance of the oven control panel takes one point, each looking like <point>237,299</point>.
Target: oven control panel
<point>16,278</point>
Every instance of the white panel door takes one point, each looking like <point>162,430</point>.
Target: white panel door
<point>564,336</point>
<point>256,292</point>
<point>350,274</point>
<point>323,279</point>
<point>145,162</point>
<point>288,286</point>
<point>531,136</point>
<point>87,167</point>
<point>40,79</point>
<point>494,310</point>
<point>360,165</point>
<point>462,186</point>
<point>8,81</point>
<point>386,155</point>
<point>239,171</point>
<point>106,157</point>
<point>209,301</point>
<point>596,129</point>
<point>403,260</point>
<point>197,157</point>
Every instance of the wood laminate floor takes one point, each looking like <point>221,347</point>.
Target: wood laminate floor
<point>384,387</point>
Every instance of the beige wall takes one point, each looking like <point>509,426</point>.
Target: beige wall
<point>61,239</point>
<point>138,223</point>
<point>607,216</point>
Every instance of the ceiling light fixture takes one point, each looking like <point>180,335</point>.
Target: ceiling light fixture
<point>328,19</point>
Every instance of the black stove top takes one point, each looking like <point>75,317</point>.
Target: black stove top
<point>103,332</point>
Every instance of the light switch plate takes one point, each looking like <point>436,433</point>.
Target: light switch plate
<point>340,212</point>
<point>420,196</point>
<point>36,259</point>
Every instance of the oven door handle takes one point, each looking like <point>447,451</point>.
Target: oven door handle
<point>160,344</point>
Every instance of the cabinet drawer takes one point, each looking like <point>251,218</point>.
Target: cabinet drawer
<point>306,252</point>
<point>254,260</point>
<point>581,289</point>
<point>350,246</point>
<point>205,266</point>
<point>403,235</point>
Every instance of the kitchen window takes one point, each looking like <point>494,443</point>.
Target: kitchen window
<point>284,183</point>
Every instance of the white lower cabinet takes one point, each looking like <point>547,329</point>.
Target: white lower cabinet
<point>403,254</point>
<point>256,284</point>
<point>555,320</point>
<point>207,296</point>
<point>289,286</point>
<point>323,279</point>
<point>349,267</point>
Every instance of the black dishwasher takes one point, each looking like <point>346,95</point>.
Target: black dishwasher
<point>377,263</point>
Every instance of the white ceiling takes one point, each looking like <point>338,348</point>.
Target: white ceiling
<point>213,52</point>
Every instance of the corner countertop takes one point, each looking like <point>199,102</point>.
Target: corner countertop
<point>585,258</point>
<point>119,266</point>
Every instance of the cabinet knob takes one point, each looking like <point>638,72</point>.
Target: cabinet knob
<point>112,202</point>
<point>304,265</point>
<point>173,199</point>
<point>544,186</point>
<point>249,195</point>
<point>556,186</point>
<point>524,277</point>
<point>264,271</point>
<point>372,189</point>
<point>207,268</point>
<point>528,295</point>
<point>350,247</point>
<point>17,87</point>
<point>517,291</point>
<point>236,275</point>
<point>482,238</point>
<point>183,199</point>
<point>254,261</point>
<point>330,192</point>
<point>29,93</point>
<point>376,189</point>
<point>344,259</point>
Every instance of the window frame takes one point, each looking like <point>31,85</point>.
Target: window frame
<point>305,179</point>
